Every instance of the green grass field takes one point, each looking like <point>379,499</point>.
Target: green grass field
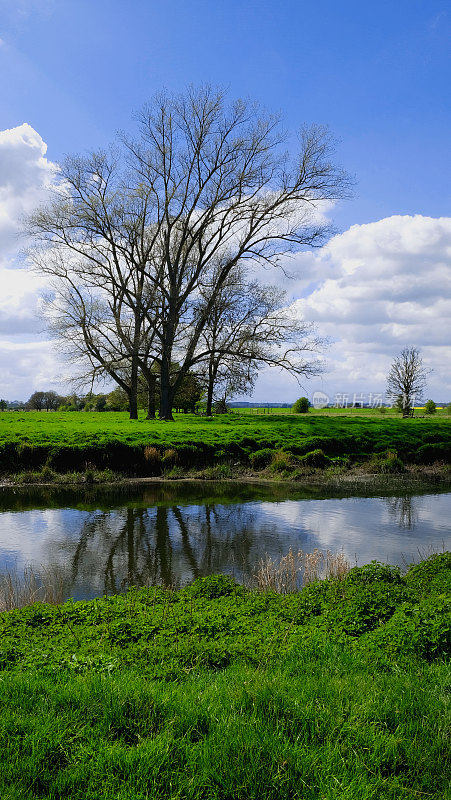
<point>69,441</point>
<point>215,692</point>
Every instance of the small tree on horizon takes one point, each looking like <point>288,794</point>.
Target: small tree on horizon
<point>301,406</point>
<point>406,380</point>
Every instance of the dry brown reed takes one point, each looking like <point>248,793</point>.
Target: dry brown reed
<point>298,569</point>
<point>152,455</point>
<point>17,590</point>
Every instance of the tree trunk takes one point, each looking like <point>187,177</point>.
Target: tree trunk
<point>212,372</point>
<point>167,391</point>
<point>166,402</point>
<point>151,381</point>
<point>209,396</point>
<point>134,389</point>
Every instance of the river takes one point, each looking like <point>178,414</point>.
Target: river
<point>105,539</point>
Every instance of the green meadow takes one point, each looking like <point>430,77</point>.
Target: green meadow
<point>218,692</point>
<point>71,440</point>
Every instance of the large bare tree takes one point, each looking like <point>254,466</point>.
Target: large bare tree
<point>205,186</point>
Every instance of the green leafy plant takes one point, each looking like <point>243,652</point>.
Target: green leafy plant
<point>315,458</point>
<point>261,458</point>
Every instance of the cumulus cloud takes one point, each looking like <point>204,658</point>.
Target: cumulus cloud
<point>26,175</point>
<point>25,178</point>
<point>373,290</point>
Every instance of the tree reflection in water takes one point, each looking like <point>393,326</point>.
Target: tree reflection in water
<point>404,511</point>
<point>162,545</point>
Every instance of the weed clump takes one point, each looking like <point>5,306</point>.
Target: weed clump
<point>169,458</point>
<point>213,586</point>
<point>315,458</point>
<point>389,464</point>
<point>261,458</point>
<point>152,458</point>
<point>281,461</point>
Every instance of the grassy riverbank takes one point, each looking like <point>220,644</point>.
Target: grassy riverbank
<point>214,691</point>
<point>279,443</point>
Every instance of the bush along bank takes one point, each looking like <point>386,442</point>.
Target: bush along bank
<point>218,691</point>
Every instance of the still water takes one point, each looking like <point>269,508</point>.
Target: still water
<point>106,539</point>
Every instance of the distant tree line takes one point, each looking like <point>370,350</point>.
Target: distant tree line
<point>186,399</point>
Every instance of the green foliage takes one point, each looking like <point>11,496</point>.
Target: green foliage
<point>430,407</point>
<point>281,461</point>
<point>390,464</point>
<point>261,458</point>
<point>315,458</point>
<point>373,573</point>
<point>429,453</point>
<point>431,575</point>
<point>216,691</point>
<point>301,406</point>
<point>422,629</point>
<point>213,586</point>
<point>117,400</point>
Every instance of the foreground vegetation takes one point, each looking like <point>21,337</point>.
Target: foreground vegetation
<point>215,691</point>
<point>78,441</point>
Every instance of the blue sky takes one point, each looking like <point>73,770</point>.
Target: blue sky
<point>376,72</point>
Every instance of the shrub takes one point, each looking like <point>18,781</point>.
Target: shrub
<point>261,458</point>
<point>430,407</point>
<point>365,607</point>
<point>315,458</point>
<point>213,586</point>
<point>390,464</point>
<point>301,406</point>
<point>221,407</point>
<point>423,630</point>
<point>375,572</point>
<point>428,453</point>
<point>281,461</point>
<point>448,409</point>
<point>431,575</point>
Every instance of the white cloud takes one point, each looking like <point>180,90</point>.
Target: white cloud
<point>374,289</point>
<point>26,176</point>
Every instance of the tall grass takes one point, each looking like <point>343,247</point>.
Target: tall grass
<point>299,569</point>
<point>19,589</point>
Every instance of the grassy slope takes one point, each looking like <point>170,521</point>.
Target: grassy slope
<point>112,440</point>
<point>213,692</point>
